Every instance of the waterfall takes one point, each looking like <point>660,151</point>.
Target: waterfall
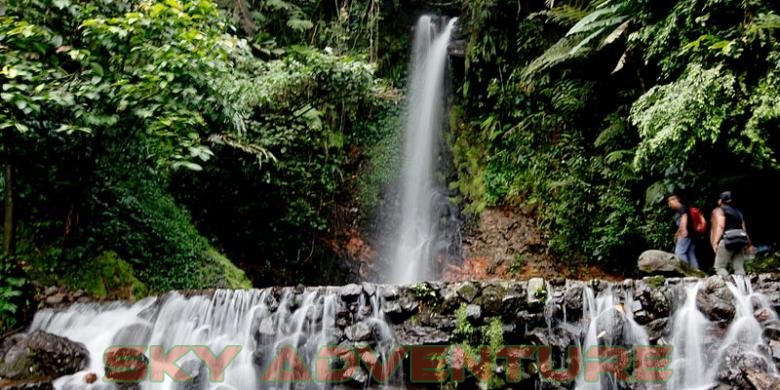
<point>417,234</point>
<point>260,321</point>
<point>610,322</point>
<point>688,339</point>
<point>265,321</point>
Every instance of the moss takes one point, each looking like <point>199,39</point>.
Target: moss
<point>220,272</point>
<point>656,281</point>
<point>105,276</point>
<point>763,264</point>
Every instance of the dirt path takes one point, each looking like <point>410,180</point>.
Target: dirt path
<point>506,244</point>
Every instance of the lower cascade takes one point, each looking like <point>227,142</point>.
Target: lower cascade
<point>714,332</point>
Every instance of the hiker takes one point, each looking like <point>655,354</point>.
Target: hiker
<point>684,247</point>
<point>729,237</point>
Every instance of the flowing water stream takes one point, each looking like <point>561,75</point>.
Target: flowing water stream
<point>417,234</point>
<point>263,321</point>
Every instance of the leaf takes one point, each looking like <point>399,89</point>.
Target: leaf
<point>589,22</point>
<point>300,24</point>
<point>187,165</point>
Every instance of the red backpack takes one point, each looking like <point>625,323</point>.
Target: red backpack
<point>698,223</point>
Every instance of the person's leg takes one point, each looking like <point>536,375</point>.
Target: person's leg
<point>722,259</point>
<point>692,255</point>
<point>738,261</point>
<point>681,248</point>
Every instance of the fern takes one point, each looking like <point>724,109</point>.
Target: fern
<point>600,18</point>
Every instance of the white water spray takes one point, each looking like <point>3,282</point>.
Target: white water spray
<point>417,233</point>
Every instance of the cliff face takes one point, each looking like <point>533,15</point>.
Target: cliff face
<point>721,330</point>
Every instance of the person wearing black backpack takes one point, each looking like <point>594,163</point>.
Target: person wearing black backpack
<point>729,237</point>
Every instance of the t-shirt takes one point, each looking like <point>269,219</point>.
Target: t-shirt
<point>684,211</point>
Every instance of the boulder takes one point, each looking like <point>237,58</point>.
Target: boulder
<point>43,355</point>
<point>715,300</point>
<point>359,332</point>
<point>351,291</point>
<point>411,335</point>
<point>26,385</point>
<point>473,313</point>
<point>468,291</point>
<point>665,263</point>
<point>492,295</point>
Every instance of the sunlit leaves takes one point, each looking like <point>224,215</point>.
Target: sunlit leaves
<point>673,119</point>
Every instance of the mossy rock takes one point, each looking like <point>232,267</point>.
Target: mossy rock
<point>106,276</point>
<point>220,272</point>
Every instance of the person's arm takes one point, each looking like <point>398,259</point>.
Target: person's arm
<point>718,222</point>
<point>682,230</point>
<point>750,248</point>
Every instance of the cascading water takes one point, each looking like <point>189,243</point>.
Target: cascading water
<point>417,233</point>
<point>688,339</point>
<point>610,322</point>
<point>261,321</point>
<point>265,321</point>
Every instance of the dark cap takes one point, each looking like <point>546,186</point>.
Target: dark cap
<point>725,196</point>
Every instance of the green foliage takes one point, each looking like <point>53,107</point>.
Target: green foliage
<point>463,327</point>
<point>105,276</point>
<point>592,112</point>
<point>517,264</point>
<point>674,119</point>
<point>11,291</point>
<point>139,121</point>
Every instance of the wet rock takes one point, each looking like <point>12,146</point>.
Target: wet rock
<point>656,329</point>
<point>774,347</point>
<point>537,292</point>
<point>199,374</point>
<point>43,355</point>
<point>737,364</point>
<point>572,302</point>
<point>513,301</point>
<point>390,293</point>
<point>55,299</point>
<point>762,314</point>
<point>491,298</point>
<point>473,313</point>
<point>715,300</point>
<point>134,334</point>
<point>51,290</point>
<point>530,318</point>
<point>468,291</point>
<point>657,262</point>
<point>772,331</point>
<point>359,332</point>
<point>351,292</point>
<point>369,288</point>
<point>90,378</point>
<point>26,385</point>
<point>400,310</point>
<point>449,298</point>
<point>411,335</point>
<point>761,380</point>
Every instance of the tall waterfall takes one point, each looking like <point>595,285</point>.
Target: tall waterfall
<point>417,233</point>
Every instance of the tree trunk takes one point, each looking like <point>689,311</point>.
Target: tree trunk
<point>8,215</point>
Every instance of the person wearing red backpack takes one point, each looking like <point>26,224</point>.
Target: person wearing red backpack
<point>687,228</point>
